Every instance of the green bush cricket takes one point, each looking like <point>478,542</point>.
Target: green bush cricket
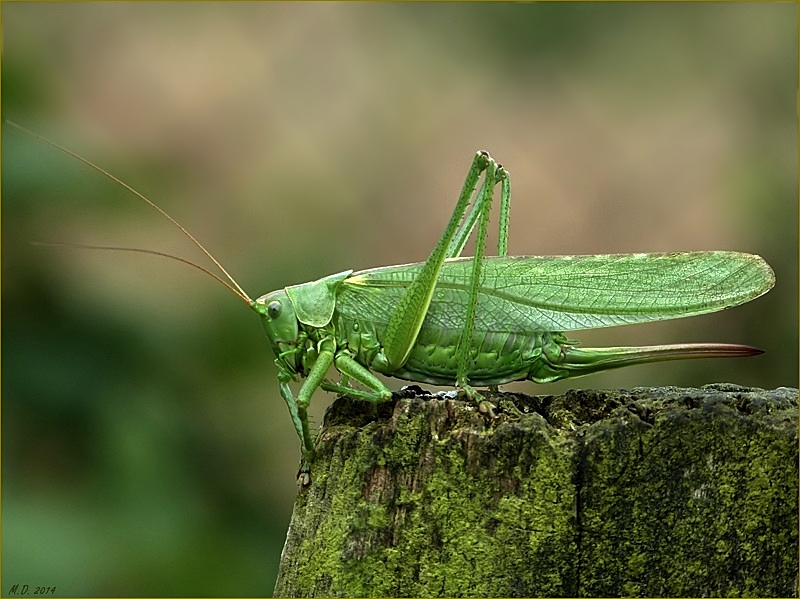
<point>478,321</point>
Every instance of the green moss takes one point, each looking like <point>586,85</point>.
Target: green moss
<point>637,495</point>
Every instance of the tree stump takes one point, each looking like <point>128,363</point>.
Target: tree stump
<point>643,492</point>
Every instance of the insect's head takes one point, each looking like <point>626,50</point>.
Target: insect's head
<point>279,321</point>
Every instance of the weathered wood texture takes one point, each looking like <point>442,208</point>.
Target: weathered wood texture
<point>647,492</point>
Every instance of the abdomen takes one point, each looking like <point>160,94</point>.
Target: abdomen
<point>495,358</point>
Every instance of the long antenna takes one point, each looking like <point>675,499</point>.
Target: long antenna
<point>116,248</point>
<point>238,290</point>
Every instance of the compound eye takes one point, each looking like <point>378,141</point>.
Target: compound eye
<point>274,309</point>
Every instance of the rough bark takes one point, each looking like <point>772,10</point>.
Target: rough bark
<point>647,492</point>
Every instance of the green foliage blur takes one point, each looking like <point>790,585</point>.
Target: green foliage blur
<point>145,448</point>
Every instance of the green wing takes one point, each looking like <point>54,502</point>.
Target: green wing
<point>565,293</point>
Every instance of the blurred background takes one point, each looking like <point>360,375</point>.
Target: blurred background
<point>145,447</point>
